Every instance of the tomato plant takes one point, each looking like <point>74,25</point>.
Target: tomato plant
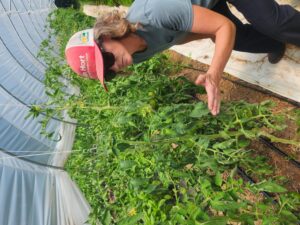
<point>148,153</point>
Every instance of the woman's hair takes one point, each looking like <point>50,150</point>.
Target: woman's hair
<point>113,24</point>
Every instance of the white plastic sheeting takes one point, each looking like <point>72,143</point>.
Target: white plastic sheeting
<point>282,78</point>
<point>32,194</point>
<point>32,190</point>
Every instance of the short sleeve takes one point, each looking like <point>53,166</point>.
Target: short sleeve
<point>175,15</point>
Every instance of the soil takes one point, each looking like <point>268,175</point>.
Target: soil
<point>233,89</point>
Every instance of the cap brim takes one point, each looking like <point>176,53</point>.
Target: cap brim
<point>100,66</point>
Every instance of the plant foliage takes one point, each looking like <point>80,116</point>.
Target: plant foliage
<point>147,152</point>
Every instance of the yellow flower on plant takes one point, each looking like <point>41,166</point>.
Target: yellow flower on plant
<point>132,212</point>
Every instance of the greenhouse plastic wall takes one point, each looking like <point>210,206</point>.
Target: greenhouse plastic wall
<point>34,190</point>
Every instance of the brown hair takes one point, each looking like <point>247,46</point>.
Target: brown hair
<point>113,24</point>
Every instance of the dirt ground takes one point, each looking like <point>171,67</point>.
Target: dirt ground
<point>233,89</point>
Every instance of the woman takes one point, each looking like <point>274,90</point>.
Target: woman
<point>152,26</point>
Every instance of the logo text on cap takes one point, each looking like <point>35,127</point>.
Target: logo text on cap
<point>82,63</point>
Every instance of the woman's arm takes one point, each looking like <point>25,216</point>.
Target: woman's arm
<point>208,23</point>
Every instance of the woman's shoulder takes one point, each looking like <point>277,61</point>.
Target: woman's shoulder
<point>167,14</point>
<point>136,12</point>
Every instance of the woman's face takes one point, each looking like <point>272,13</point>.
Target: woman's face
<point>122,57</point>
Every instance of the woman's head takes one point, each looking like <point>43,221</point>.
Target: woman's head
<point>111,31</point>
<point>108,47</point>
<point>116,49</point>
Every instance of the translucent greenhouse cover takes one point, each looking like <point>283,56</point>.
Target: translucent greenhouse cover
<point>34,188</point>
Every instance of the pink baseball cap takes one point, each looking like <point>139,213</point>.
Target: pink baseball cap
<point>84,56</point>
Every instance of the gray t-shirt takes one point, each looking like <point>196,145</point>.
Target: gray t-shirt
<point>164,23</point>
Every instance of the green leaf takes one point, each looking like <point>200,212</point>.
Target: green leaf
<point>208,163</point>
<point>180,128</point>
<point>200,89</point>
<point>218,179</point>
<point>123,146</point>
<point>151,188</point>
<point>267,219</point>
<point>243,143</point>
<point>226,205</point>
<point>127,164</point>
<point>269,186</point>
<point>224,144</point>
<point>224,134</point>
<point>194,210</point>
<point>246,218</point>
<point>106,217</point>
<point>180,219</point>
<point>199,111</point>
<point>115,151</point>
<point>203,143</point>
<point>181,174</point>
<point>287,216</point>
<point>138,182</point>
<point>218,220</point>
<point>133,220</point>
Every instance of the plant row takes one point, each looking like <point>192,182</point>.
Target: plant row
<point>147,152</point>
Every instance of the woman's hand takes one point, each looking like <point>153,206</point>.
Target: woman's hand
<point>221,30</point>
<point>211,82</point>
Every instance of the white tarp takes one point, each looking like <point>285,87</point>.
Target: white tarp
<point>31,194</point>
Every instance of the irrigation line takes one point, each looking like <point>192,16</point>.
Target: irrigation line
<point>264,140</point>
<point>245,176</point>
<point>267,142</point>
